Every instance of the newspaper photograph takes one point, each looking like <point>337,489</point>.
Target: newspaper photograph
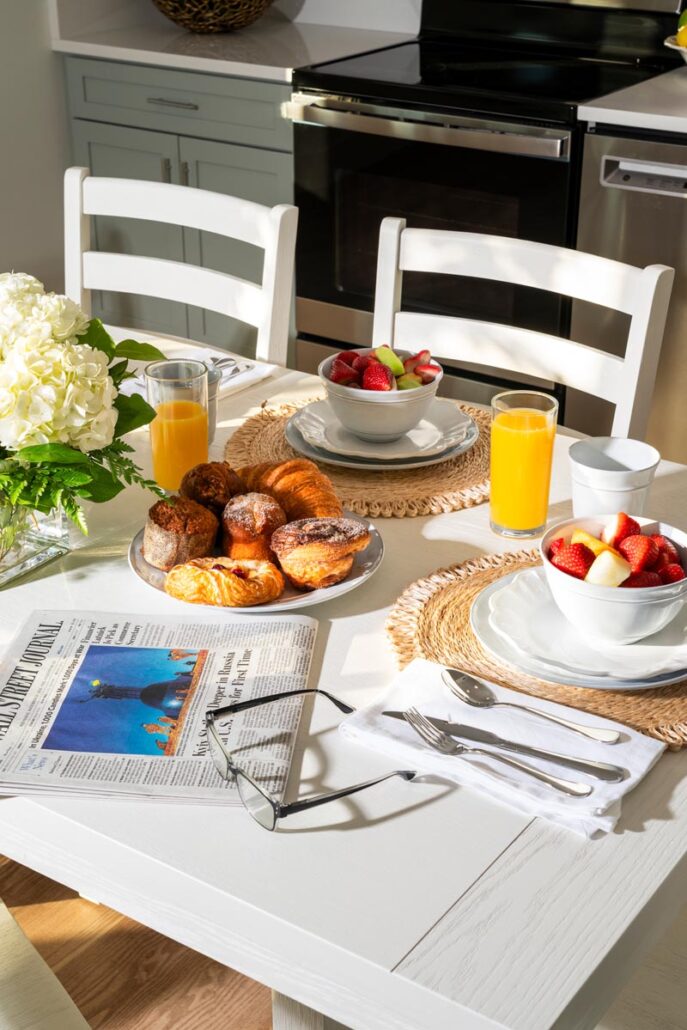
<point>114,706</point>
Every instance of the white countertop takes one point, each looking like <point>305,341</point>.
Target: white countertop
<point>659,104</point>
<point>270,49</point>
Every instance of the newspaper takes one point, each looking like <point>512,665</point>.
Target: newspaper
<point>108,705</point>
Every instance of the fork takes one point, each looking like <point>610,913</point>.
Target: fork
<point>445,745</point>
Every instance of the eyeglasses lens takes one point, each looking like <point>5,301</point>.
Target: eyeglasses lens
<point>257,803</point>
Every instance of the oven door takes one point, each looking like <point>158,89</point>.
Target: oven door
<point>356,163</point>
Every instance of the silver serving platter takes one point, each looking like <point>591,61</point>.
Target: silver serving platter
<point>365,564</point>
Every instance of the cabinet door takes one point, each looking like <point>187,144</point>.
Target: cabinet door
<point>264,176</point>
<point>124,153</point>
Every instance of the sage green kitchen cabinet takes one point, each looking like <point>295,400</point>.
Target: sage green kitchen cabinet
<point>260,175</point>
<point>121,152</point>
<point>214,132</point>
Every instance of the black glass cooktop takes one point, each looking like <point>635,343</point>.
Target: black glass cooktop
<point>545,86</point>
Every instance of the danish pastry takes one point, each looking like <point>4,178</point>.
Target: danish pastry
<point>298,485</point>
<point>316,553</point>
<point>211,484</point>
<point>225,582</point>
<point>178,529</point>
<point>248,522</point>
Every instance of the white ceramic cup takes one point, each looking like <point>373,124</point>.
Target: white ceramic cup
<point>610,473</point>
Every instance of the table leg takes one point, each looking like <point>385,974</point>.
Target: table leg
<point>288,1014</point>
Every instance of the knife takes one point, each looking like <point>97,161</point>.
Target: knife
<point>600,770</point>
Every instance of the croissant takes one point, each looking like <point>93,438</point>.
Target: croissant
<point>225,582</point>
<point>298,485</point>
<point>318,553</point>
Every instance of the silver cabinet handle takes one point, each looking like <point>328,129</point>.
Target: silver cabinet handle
<point>419,127</point>
<point>166,169</point>
<point>184,177</point>
<point>186,105</point>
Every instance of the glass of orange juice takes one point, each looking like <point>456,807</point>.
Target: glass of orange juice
<point>523,430</point>
<point>178,390</point>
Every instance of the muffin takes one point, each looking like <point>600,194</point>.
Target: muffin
<point>211,484</point>
<point>177,530</point>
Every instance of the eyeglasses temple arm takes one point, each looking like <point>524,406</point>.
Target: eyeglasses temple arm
<point>254,702</point>
<point>322,799</point>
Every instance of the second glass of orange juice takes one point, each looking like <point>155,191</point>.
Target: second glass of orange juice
<point>178,390</point>
<point>523,430</point>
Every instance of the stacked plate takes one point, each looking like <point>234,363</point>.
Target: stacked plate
<point>446,432</point>
<point>517,621</point>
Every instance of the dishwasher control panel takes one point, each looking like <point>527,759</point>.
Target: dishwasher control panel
<point>644,177</point>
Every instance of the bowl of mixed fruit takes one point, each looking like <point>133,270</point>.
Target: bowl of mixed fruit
<point>379,393</point>
<point>617,578</point>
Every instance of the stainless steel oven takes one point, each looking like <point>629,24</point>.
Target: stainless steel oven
<point>471,127</point>
<point>358,162</point>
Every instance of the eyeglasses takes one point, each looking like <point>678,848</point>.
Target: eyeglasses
<point>266,810</point>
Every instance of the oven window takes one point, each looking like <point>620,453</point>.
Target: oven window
<point>361,201</point>
<point>347,182</point>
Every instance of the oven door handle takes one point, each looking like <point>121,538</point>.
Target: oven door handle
<point>415,127</point>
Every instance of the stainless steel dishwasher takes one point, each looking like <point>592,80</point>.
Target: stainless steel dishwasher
<point>633,207</point>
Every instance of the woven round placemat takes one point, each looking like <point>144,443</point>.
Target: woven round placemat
<point>431,619</point>
<point>460,482</point>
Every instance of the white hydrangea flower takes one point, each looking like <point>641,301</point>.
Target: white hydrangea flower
<point>55,391</point>
<point>65,318</point>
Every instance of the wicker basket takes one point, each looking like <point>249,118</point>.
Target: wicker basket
<point>213,15</point>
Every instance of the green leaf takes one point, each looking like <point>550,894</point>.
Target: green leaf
<point>73,477</point>
<point>103,485</point>
<point>97,336</point>
<point>55,453</point>
<point>135,351</point>
<point>117,371</point>
<point>133,413</point>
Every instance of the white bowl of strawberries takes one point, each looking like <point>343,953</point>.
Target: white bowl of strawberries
<point>378,393</point>
<point>616,578</point>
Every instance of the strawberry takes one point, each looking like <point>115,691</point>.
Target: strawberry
<point>347,356</point>
<point>666,547</point>
<point>620,526</point>
<point>660,562</point>
<point>341,372</point>
<point>378,377</point>
<point>421,358</point>
<point>362,361</point>
<point>427,372</point>
<point>642,579</point>
<point>555,546</point>
<point>672,573</point>
<point>640,551</point>
<point>574,559</point>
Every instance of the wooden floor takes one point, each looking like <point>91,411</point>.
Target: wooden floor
<point>123,976</point>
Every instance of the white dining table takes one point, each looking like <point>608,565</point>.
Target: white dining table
<point>419,906</point>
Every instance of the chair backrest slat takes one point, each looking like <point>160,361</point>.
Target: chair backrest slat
<point>157,277</point>
<point>266,306</point>
<point>642,293</point>
<point>513,349</point>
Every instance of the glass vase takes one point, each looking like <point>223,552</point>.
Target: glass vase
<point>29,539</point>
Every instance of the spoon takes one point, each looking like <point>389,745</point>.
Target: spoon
<point>477,694</point>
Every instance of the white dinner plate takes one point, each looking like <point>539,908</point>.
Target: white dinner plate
<point>297,441</point>
<point>365,564</point>
<point>444,426</point>
<point>525,613</point>
<point>501,649</point>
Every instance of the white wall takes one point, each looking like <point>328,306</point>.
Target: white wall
<point>35,148</point>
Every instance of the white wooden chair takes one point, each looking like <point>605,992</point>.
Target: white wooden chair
<point>642,293</point>
<point>267,306</point>
<point>31,996</point>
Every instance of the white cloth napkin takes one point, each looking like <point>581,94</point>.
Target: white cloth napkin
<point>250,372</point>
<point>420,685</point>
